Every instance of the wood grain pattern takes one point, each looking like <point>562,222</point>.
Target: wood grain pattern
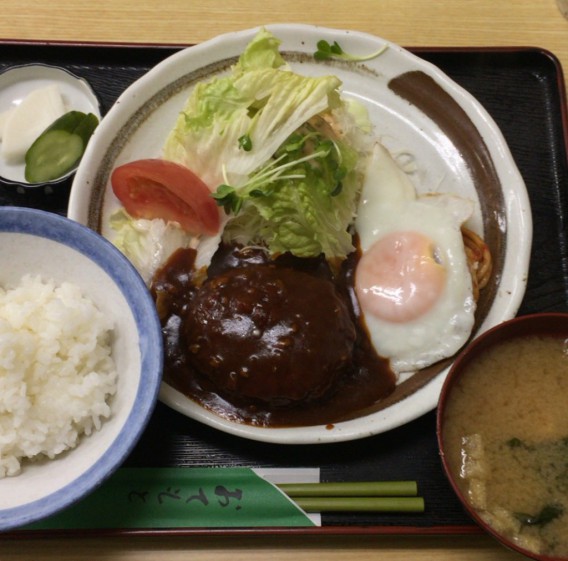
<point>463,548</point>
<point>407,22</point>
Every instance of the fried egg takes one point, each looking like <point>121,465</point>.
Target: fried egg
<point>412,282</point>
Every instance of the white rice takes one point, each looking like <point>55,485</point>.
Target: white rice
<point>56,370</point>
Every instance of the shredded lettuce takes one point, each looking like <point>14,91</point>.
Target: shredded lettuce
<point>260,98</point>
<point>254,136</point>
<point>301,201</point>
<point>147,243</point>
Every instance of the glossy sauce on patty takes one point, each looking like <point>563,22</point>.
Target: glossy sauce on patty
<point>269,343</point>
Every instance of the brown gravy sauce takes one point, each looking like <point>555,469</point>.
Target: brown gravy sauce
<point>366,381</point>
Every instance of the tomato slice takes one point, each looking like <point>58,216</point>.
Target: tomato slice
<point>154,188</point>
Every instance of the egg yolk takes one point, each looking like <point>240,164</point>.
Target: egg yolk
<point>399,278</point>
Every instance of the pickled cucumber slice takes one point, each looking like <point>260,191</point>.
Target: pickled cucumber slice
<point>60,147</point>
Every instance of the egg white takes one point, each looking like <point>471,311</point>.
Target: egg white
<point>389,204</point>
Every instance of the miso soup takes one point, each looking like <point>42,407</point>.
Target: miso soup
<point>505,438</point>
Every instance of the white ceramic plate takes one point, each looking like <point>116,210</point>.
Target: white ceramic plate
<point>419,114</point>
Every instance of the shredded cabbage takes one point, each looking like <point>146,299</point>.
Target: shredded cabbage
<point>147,243</point>
<point>281,151</point>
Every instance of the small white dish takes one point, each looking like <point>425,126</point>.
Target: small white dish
<point>40,243</point>
<point>475,163</point>
<point>17,82</point>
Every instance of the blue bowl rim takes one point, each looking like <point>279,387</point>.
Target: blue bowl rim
<point>116,265</point>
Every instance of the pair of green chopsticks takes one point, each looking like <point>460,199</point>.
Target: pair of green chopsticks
<point>372,496</point>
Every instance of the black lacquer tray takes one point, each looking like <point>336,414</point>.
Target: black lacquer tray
<point>523,90</point>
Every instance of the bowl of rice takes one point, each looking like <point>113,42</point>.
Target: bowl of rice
<point>80,362</point>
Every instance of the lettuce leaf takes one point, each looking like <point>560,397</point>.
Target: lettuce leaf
<point>306,209</point>
<point>147,243</point>
<point>236,132</point>
<point>260,98</point>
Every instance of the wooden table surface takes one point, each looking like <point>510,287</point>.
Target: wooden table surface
<point>407,22</point>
